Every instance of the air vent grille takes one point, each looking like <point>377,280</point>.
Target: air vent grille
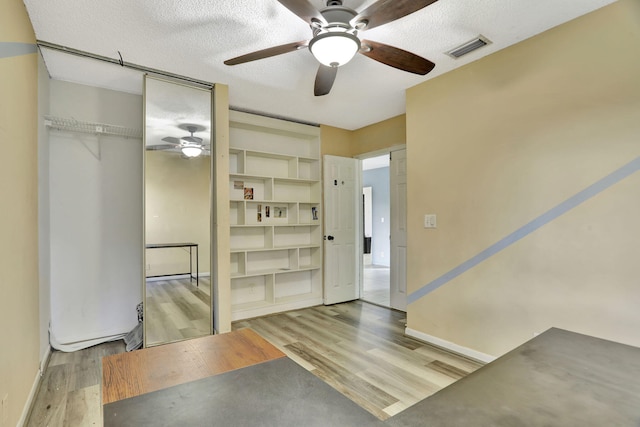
<point>469,47</point>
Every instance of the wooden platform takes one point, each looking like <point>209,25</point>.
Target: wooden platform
<point>132,374</point>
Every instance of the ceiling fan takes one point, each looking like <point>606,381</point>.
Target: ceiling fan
<point>335,38</point>
<point>190,146</point>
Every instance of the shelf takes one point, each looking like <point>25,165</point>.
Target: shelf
<point>252,291</point>
<point>276,165</point>
<point>298,236</point>
<point>296,180</point>
<point>276,234</point>
<point>312,245</point>
<point>295,285</point>
<point>242,176</point>
<point>269,271</point>
<point>270,154</point>
<point>300,224</point>
<point>254,238</point>
<point>275,248</point>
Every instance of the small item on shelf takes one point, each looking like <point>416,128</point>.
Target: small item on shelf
<point>248,193</point>
<point>279,212</point>
<point>259,216</point>
<point>238,185</point>
<point>314,213</point>
<point>266,211</point>
<point>259,208</point>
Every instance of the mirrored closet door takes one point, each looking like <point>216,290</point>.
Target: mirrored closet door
<point>177,182</point>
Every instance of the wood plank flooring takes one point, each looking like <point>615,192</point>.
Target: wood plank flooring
<point>69,393</point>
<point>360,350</point>
<point>177,310</point>
<point>376,283</point>
<point>357,348</point>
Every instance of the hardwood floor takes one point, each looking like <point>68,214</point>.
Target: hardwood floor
<point>357,348</point>
<point>375,285</point>
<point>177,310</point>
<point>69,394</point>
<point>360,350</point>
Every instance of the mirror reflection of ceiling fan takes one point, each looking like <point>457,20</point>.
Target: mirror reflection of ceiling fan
<point>335,38</point>
<point>190,146</point>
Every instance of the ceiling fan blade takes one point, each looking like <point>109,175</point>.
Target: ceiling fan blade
<point>395,57</point>
<point>192,139</point>
<point>171,140</point>
<point>384,11</point>
<point>305,10</point>
<point>160,147</point>
<point>324,80</point>
<point>266,53</point>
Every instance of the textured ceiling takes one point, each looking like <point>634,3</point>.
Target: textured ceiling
<point>194,37</point>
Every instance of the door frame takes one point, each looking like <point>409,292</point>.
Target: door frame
<point>376,153</point>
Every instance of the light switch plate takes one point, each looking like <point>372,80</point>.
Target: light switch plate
<point>430,221</point>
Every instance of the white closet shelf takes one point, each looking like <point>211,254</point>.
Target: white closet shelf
<point>73,125</point>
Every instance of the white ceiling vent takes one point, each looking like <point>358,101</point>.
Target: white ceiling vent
<point>468,47</point>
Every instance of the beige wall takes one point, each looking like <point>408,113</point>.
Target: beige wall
<point>495,144</point>
<point>378,136</point>
<point>336,141</point>
<point>177,210</point>
<point>19,317</point>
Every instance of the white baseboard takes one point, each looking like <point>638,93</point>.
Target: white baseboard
<point>34,388</point>
<point>45,360</point>
<point>447,345</point>
<point>175,277</point>
<point>250,313</point>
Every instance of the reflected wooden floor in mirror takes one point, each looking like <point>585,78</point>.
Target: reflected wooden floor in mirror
<point>177,309</point>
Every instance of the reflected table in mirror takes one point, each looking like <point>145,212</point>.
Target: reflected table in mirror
<point>190,247</point>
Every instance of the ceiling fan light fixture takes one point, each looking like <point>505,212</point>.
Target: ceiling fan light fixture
<point>191,150</point>
<point>333,48</point>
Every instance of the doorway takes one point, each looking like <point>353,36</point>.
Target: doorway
<point>376,260</point>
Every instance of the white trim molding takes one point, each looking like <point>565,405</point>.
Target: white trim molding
<point>447,345</point>
<point>26,410</point>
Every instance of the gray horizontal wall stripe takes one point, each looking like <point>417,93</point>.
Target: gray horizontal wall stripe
<point>10,49</point>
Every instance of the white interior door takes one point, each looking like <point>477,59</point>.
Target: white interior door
<point>342,190</point>
<point>398,185</point>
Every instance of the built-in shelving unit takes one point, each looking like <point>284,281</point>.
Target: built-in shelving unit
<point>275,205</point>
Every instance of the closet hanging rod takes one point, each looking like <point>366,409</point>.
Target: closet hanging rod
<point>120,62</point>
